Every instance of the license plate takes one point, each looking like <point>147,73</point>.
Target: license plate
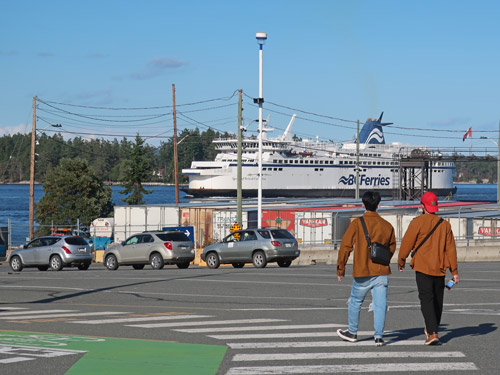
<point>288,245</point>
<point>82,250</point>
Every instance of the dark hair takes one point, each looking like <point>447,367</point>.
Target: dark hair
<point>371,199</point>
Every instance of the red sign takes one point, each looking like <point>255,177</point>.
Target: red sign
<point>314,223</point>
<point>486,231</point>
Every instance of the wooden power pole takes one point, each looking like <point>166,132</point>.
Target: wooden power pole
<point>175,147</point>
<point>239,170</point>
<point>32,173</point>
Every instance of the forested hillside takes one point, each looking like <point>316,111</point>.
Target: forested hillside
<point>107,158</point>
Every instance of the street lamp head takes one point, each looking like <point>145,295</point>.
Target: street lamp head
<point>261,37</point>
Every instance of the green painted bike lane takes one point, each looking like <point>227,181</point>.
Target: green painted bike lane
<point>105,355</point>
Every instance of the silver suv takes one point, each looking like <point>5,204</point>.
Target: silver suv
<point>155,248</point>
<point>259,246</point>
<point>55,252</point>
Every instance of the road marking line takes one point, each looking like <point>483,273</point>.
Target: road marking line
<point>69,315</point>
<point>260,328</point>
<point>317,344</point>
<point>344,355</point>
<point>208,322</point>
<point>370,368</point>
<point>15,359</point>
<point>17,313</point>
<point>141,319</point>
<point>283,335</point>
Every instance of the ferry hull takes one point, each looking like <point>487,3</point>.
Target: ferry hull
<point>301,193</point>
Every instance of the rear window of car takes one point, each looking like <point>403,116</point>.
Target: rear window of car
<point>172,236</point>
<point>281,233</point>
<point>75,241</point>
<point>264,233</point>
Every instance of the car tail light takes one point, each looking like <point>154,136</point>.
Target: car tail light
<point>168,245</point>
<point>66,250</point>
<point>276,243</point>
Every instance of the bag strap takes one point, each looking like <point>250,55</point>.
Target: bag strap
<point>367,236</point>
<point>426,237</point>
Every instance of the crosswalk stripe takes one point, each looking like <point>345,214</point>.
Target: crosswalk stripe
<point>208,322</point>
<point>27,312</point>
<point>370,368</point>
<point>280,335</point>
<point>141,319</point>
<point>15,359</point>
<point>260,328</point>
<point>343,355</point>
<point>67,315</point>
<point>317,344</point>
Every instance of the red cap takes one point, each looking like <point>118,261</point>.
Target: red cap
<point>430,201</point>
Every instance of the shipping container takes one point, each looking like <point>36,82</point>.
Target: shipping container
<point>135,219</point>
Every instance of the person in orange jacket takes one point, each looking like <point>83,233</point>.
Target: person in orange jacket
<point>368,276</point>
<point>437,254</point>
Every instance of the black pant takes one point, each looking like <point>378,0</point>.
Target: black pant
<point>431,295</point>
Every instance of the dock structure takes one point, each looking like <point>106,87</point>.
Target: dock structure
<point>416,171</point>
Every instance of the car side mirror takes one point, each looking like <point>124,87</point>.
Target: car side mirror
<point>25,246</point>
<point>123,243</point>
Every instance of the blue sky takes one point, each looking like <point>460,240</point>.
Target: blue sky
<point>431,66</point>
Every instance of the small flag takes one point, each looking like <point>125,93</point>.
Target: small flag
<point>468,134</point>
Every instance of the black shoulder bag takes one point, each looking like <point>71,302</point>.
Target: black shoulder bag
<point>426,237</point>
<point>379,253</point>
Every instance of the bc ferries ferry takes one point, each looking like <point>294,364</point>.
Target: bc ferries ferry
<point>308,168</point>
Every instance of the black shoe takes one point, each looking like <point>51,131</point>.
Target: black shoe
<point>346,335</point>
<point>379,342</point>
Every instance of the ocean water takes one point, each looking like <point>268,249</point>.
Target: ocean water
<point>14,202</point>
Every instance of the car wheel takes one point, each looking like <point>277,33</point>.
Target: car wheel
<point>56,263</point>
<point>259,259</point>
<point>16,264</point>
<point>111,262</point>
<point>138,266</point>
<point>238,265</point>
<point>156,261</point>
<point>284,263</point>
<point>83,266</point>
<point>43,268</point>
<point>183,265</point>
<point>212,261</point>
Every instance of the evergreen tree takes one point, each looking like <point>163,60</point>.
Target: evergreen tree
<point>138,168</point>
<point>72,192</point>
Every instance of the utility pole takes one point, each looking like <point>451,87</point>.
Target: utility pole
<point>175,146</point>
<point>357,162</point>
<point>498,165</point>
<point>32,173</point>
<point>239,177</point>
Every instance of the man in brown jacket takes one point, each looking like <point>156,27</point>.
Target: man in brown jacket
<point>368,276</point>
<point>432,259</point>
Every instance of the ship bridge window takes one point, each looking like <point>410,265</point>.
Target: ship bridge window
<point>275,161</point>
<point>296,161</point>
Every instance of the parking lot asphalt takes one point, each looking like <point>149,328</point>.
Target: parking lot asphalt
<point>235,321</point>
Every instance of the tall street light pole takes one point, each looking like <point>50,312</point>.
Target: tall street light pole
<point>261,39</point>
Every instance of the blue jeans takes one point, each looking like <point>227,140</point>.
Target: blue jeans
<point>360,288</point>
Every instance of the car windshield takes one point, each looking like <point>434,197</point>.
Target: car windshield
<point>75,241</point>
<point>281,233</point>
<point>173,236</point>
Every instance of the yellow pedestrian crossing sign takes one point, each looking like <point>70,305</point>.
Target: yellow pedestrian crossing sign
<point>235,227</point>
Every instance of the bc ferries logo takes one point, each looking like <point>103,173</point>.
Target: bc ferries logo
<point>364,180</point>
<point>377,135</point>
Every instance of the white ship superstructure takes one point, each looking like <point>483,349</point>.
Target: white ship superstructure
<point>313,168</point>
